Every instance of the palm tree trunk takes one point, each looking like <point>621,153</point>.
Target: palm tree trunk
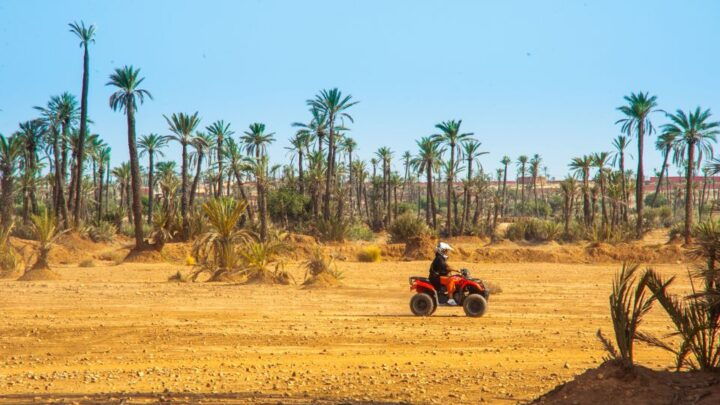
<point>220,142</point>
<point>689,193</point>
<point>100,191</point>
<point>135,179</point>
<point>301,176</point>
<point>449,223</point>
<point>151,186</point>
<point>193,189</point>
<point>666,154</point>
<point>504,190</point>
<point>184,192</point>
<point>639,203</point>
<point>330,175</point>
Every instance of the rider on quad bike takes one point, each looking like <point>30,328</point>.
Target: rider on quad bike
<point>439,271</point>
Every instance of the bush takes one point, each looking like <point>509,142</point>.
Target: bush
<point>87,263</point>
<point>369,254</point>
<point>102,232</point>
<point>320,263</point>
<point>332,230</point>
<point>534,230</point>
<point>9,259</point>
<point>360,231</point>
<point>286,204</point>
<point>406,227</point>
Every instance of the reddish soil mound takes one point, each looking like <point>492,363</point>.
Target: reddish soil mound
<point>322,280</point>
<point>419,248</point>
<point>611,384</point>
<point>39,275</point>
<point>144,256</point>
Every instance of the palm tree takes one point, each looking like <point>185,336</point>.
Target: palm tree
<point>620,144</point>
<point>220,130</point>
<point>406,159</point>
<point>151,145</point>
<point>316,128</point>
<point>256,140</point>
<point>202,142</point>
<point>582,166</point>
<point>332,104</point>
<point>86,35</point>
<point>568,187</point>
<point>31,133</point>
<point>637,121</point>
<point>11,149</point>
<point>384,154</point>
<point>427,160</point>
<point>350,145</point>
<point>664,143</point>
<point>122,174</point>
<point>182,127</point>
<point>693,130</point>
<point>522,163</point>
<point>237,163</point>
<point>259,167</point>
<point>299,145</point>
<point>103,157</point>
<point>127,79</point>
<point>534,172</point>
<point>451,136</point>
<point>471,151</point>
<point>505,162</point>
<point>600,161</point>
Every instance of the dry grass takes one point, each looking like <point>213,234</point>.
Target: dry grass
<point>369,254</point>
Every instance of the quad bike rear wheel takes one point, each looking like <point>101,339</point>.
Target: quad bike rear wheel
<point>474,305</point>
<point>422,304</point>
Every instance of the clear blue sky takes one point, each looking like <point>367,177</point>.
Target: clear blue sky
<point>525,76</point>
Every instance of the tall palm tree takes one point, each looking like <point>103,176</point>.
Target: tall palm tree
<point>182,127</point>
<point>87,36</point>
<point>620,144</point>
<point>299,145</point>
<point>103,157</point>
<point>122,175</point>
<point>534,173</point>
<point>220,130</point>
<point>637,122</point>
<point>582,165</point>
<point>202,143</point>
<point>152,144</point>
<point>333,105</point>
<point>522,164</point>
<point>505,162</point>
<point>237,163</point>
<point>470,151</point>
<point>384,154</point>
<point>406,159</point>
<point>600,161</point>
<point>350,146</point>
<point>317,127</point>
<point>451,136</point>
<point>11,149</point>
<point>256,139</point>
<point>428,159</point>
<point>694,133</point>
<point>664,143</point>
<point>127,81</point>
<point>31,133</point>
<point>568,188</point>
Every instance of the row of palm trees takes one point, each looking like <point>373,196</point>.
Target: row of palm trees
<point>330,182</point>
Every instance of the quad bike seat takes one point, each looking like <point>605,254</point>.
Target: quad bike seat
<point>423,279</point>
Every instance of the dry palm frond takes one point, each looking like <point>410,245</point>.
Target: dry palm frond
<point>46,232</point>
<point>261,261</point>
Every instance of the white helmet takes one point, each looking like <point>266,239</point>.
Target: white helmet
<point>443,249</point>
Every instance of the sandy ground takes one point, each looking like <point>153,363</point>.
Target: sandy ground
<point>124,334</point>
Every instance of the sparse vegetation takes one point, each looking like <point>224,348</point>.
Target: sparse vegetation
<point>369,254</point>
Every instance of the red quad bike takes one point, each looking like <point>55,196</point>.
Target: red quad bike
<point>469,292</point>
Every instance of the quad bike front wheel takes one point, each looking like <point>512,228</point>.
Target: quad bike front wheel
<point>422,304</point>
<point>474,305</point>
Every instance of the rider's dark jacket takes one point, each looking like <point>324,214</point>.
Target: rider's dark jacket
<point>438,268</point>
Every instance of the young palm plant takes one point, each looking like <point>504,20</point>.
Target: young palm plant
<point>629,303</point>
<point>217,249</point>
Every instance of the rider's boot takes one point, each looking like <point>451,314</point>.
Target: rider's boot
<point>451,302</point>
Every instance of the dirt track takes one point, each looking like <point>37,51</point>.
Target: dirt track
<point>124,329</point>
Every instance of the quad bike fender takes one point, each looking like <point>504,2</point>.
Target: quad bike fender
<point>476,287</point>
<point>424,287</point>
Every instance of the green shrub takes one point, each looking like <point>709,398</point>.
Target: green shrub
<point>286,204</point>
<point>360,231</point>
<point>406,227</point>
<point>369,254</point>
<point>534,230</point>
<point>332,230</point>
<point>102,232</point>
